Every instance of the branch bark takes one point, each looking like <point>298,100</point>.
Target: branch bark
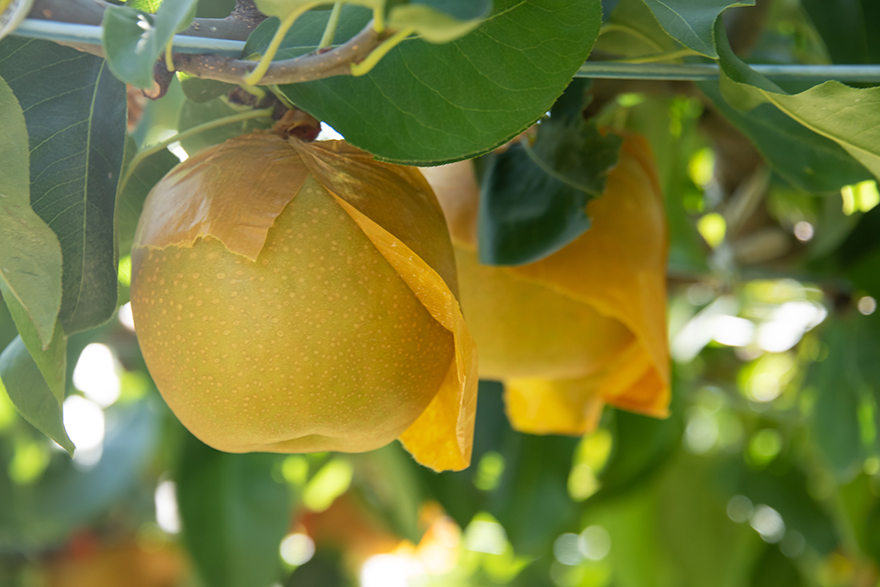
<point>309,67</point>
<point>237,26</point>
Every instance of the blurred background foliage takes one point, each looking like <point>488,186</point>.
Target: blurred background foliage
<point>766,474</point>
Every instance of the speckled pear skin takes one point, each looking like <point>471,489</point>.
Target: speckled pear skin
<point>317,344</point>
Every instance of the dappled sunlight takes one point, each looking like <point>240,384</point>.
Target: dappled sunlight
<point>97,375</point>
<point>84,421</point>
<point>297,549</point>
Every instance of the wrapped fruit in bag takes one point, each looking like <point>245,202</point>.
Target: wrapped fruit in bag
<point>584,326</point>
<point>299,297</point>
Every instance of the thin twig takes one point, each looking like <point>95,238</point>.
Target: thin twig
<point>288,71</point>
<point>308,67</point>
<point>237,26</point>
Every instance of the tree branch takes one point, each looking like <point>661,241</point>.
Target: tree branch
<point>237,26</point>
<point>288,71</point>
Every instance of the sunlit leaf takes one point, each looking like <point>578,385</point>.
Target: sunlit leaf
<point>807,159</point>
<point>30,255</point>
<point>75,112</point>
<point>67,498</point>
<point>439,21</point>
<point>22,381</point>
<point>848,116</point>
<point>496,81</point>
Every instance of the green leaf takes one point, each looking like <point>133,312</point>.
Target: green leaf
<point>783,487</point>
<point>534,198</point>
<point>692,21</point>
<point>75,112</point>
<point>68,497</point>
<point>533,503</point>
<point>387,482</point>
<point>846,27</point>
<point>52,361</point>
<point>282,8</point>
<point>455,490</point>
<point>835,423</point>
<point>21,379</point>
<point>427,104</point>
<point>806,159</point>
<point>7,326</point>
<point>151,6</point>
<point>642,445</point>
<point>200,90</point>
<point>30,254</point>
<point>848,116</point>
<point>439,21</point>
<point>159,117</point>
<point>305,34</point>
<point>133,39</point>
<point>653,119</point>
<point>694,531</point>
<point>192,115</point>
<point>774,569</point>
<point>139,176</point>
<point>234,514</point>
<point>632,30</point>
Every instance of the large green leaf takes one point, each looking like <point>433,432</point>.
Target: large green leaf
<point>22,381</point>
<point>75,112</point>
<point>133,39</point>
<point>692,22</point>
<point>234,514</point>
<point>848,28</point>
<point>534,198</point>
<point>806,159</point>
<point>30,255</point>
<point>848,116</point>
<point>426,104</point>
<point>52,360</point>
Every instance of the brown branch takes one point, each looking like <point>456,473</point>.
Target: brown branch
<point>237,26</point>
<point>309,67</point>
